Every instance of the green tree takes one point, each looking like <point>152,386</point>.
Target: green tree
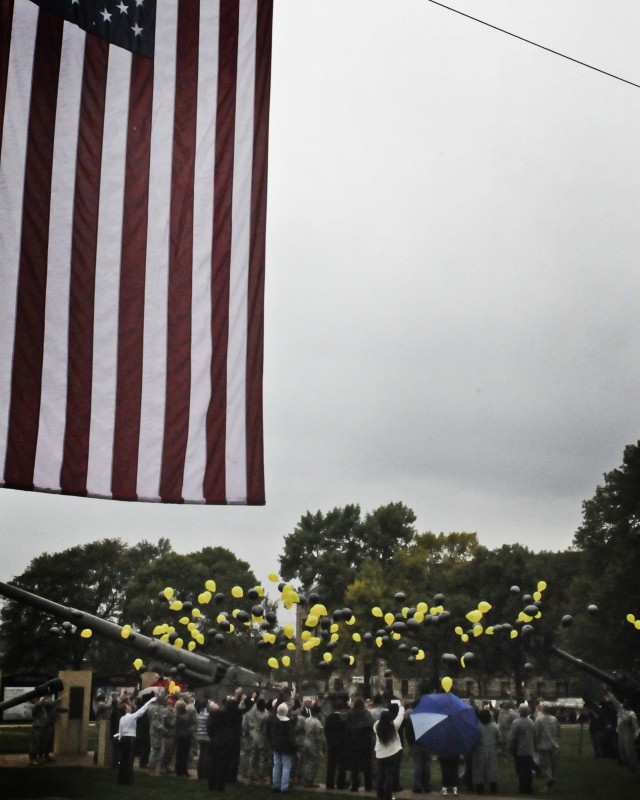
<point>94,578</point>
<point>325,551</point>
<point>609,538</point>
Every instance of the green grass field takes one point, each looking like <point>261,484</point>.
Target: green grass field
<point>580,777</point>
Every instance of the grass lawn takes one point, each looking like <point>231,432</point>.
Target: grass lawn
<point>580,777</point>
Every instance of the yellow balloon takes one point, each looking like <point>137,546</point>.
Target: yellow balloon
<point>464,666</point>
<point>311,621</point>
<point>489,630</point>
<point>396,636</point>
<point>458,630</point>
<point>464,637</point>
<point>178,644</point>
<point>87,633</point>
<point>273,663</point>
<point>484,607</point>
<point>286,661</point>
<point>422,608</point>
<point>537,595</point>
<point>351,620</point>
<point>352,660</point>
<point>232,628</point>
<point>420,655</point>
<point>125,633</point>
<point>191,627</point>
<point>378,641</point>
<point>309,645</point>
<point>210,585</point>
<point>273,577</point>
<point>168,593</point>
<point>419,616</point>
<point>542,585</point>
<point>260,590</point>
<point>478,630</point>
<point>335,637</point>
<point>176,605</point>
<point>446,683</point>
<point>318,610</point>
<point>138,663</point>
<point>184,620</point>
<point>160,629</point>
<point>327,657</point>
<point>173,688</point>
<point>376,611</point>
<point>191,646</point>
<point>637,624</point>
<point>631,618</point>
<point>389,618</point>
<point>334,628</point>
<point>220,617</point>
<point>305,636</point>
<point>289,630</point>
<point>237,592</point>
<point>474,616</point>
<point>356,637</point>
<point>204,598</point>
<point>514,634</point>
<point>164,637</point>
<point>291,646</point>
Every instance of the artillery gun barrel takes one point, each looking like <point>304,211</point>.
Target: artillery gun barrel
<point>50,687</point>
<point>199,670</point>
<point>604,677</point>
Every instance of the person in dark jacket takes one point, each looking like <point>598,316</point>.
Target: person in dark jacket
<point>221,730</point>
<point>359,740</point>
<point>182,733</point>
<point>281,733</point>
<point>334,734</point>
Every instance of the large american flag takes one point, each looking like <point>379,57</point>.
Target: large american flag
<point>133,175</point>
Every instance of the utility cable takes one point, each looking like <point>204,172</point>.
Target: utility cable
<point>535,44</point>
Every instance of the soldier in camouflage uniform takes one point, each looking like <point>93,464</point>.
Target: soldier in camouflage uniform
<point>256,757</point>
<point>168,738</point>
<point>313,748</point>
<point>156,714</point>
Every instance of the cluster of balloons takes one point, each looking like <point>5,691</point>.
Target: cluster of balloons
<point>324,631</point>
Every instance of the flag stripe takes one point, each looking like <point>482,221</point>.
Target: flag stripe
<point>132,214</point>
<point>214,489</point>
<point>132,284</point>
<point>255,324</point>
<point>6,13</point>
<point>108,264</point>
<point>54,380</point>
<point>32,279</point>
<point>196,454</point>
<point>73,476</point>
<point>156,290</point>
<point>12,168</point>
<point>181,256</point>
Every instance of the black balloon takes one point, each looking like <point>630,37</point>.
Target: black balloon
<point>438,599</point>
<point>592,609</point>
<point>218,597</point>
<point>531,610</point>
<point>257,611</point>
<point>252,594</point>
<point>515,590</point>
<point>400,597</point>
<point>55,631</point>
<point>567,620</point>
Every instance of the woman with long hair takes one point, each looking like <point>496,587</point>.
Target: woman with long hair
<point>388,748</point>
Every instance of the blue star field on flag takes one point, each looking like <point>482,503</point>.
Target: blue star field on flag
<point>125,23</point>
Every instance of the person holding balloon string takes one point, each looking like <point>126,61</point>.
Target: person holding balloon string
<point>127,737</point>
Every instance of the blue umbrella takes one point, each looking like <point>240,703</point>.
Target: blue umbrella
<point>445,724</point>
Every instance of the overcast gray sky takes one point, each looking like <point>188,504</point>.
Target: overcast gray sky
<point>452,279</point>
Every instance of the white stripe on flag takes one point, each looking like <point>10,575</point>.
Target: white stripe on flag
<point>108,252</point>
<point>154,366</point>
<point>51,426</point>
<point>12,168</point>
<point>236,447</point>
<point>201,346</point>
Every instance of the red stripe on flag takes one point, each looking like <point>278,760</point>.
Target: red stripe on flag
<point>6,16</point>
<point>255,339</point>
<point>214,488</point>
<point>73,475</point>
<point>132,282</point>
<point>181,256</point>
<point>32,280</point>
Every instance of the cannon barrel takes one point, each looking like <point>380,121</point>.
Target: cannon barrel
<point>584,666</point>
<point>50,687</point>
<point>199,670</point>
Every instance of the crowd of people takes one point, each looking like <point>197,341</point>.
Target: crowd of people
<point>283,742</point>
